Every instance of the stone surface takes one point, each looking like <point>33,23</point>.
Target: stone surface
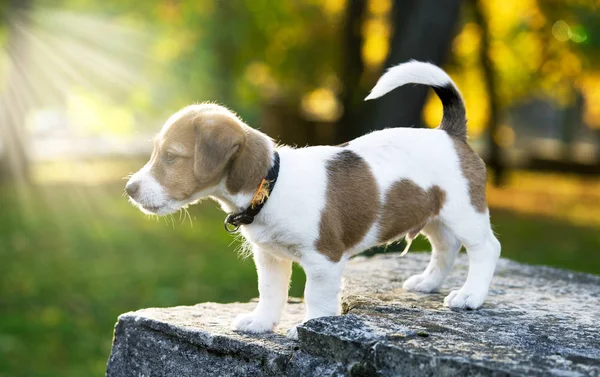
<point>537,321</point>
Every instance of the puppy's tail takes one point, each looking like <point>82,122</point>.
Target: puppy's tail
<point>454,121</point>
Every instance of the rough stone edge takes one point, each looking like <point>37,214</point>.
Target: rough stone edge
<point>289,360</point>
<point>368,356</point>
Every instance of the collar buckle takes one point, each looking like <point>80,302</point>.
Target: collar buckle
<point>234,221</point>
<point>229,226</point>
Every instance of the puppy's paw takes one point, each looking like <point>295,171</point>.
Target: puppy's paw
<point>463,299</point>
<point>421,283</point>
<point>253,323</point>
<point>292,333</point>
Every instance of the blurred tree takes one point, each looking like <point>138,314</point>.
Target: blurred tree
<point>535,52</point>
<point>576,31</point>
<point>423,30</point>
<point>13,107</point>
<point>299,70</point>
<point>279,60</point>
<point>494,157</point>
<point>351,72</point>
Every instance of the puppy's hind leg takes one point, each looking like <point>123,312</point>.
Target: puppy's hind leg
<point>445,246</point>
<point>483,250</point>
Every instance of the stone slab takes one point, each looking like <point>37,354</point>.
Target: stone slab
<point>537,321</point>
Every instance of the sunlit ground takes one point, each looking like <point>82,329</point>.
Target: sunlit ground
<point>573,199</point>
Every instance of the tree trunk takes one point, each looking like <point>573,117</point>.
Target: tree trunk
<point>494,157</point>
<point>15,104</point>
<point>424,30</point>
<point>349,125</point>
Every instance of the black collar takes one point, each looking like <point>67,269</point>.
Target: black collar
<point>247,216</point>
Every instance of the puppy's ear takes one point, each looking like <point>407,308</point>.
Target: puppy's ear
<point>218,139</point>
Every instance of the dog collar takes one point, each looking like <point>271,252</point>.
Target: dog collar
<point>233,221</point>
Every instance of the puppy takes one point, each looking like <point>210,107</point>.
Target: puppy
<point>318,206</point>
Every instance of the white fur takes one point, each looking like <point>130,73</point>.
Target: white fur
<point>413,72</point>
<point>153,198</point>
<point>273,279</point>
<point>287,227</point>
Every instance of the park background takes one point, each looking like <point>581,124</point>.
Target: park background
<point>84,85</point>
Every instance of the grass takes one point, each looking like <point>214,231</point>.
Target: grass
<point>74,257</point>
<point>77,257</point>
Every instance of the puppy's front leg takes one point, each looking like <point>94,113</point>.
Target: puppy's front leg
<point>323,287</point>
<point>273,284</point>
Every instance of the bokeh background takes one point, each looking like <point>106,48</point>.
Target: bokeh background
<point>84,85</point>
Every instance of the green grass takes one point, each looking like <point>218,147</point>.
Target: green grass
<point>539,240</point>
<point>72,258</point>
<point>78,257</point>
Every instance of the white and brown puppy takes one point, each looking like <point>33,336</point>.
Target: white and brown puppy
<point>332,202</point>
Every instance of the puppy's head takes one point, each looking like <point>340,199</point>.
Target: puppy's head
<point>191,156</point>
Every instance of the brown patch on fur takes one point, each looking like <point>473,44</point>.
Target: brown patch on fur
<point>177,175</point>
<point>212,143</point>
<point>473,168</point>
<point>219,137</point>
<point>251,164</point>
<point>343,145</point>
<point>352,204</point>
<point>407,209</point>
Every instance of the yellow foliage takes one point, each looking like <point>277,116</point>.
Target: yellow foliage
<point>257,73</point>
<point>432,112</point>
<point>570,64</point>
<point>379,7</point>
<point>530,46</point>
<point>530,55</point>
<point>375,50</point>
<point>322,105</point>
<point>590,87</point>
<point>559,75</point>
<point>333,7</point>
<point>377,27</point>
<point>466,43</point>
<point>504,15</point>
<point>502,56</point>
<point>260,76</point>
<point>376,32</point>
<point>535,18</point>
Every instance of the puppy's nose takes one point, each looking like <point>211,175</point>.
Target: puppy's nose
<point>132,188</point>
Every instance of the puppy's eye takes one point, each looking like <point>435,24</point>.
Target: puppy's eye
<point>170,157</point>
